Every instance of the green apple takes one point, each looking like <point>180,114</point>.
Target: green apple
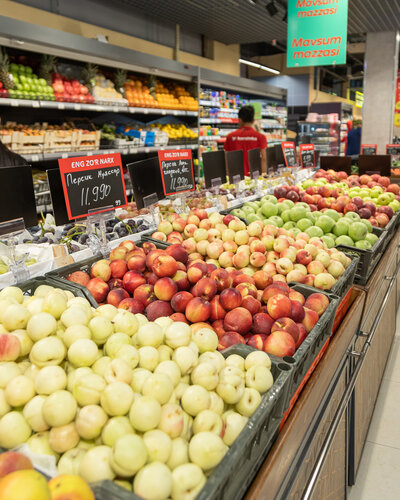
<point>237,212</point>
<point>298,212</point>
<point>329,242</point>
<point>305,205</point>
<point>363,244</point>
<point>344,240</point>
<point>252,217</point>
<point>282,207</point>
<point>358,231</point>
<point>314,232</point>
<point>394,205</point>
<point>269,209</point>
<point>295,231</point>
<point>277,221</point>
<point>270,198</point>
<point>289,225</point>
<point>325,223</point>
<point>332,214</point>
<point>304,224</point>
<point>371,238</point>
<point>285,215</point>
<point>353,216</point>
<point>367,223</point>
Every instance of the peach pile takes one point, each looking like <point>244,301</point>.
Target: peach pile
<point>19,481</point>
<point>113,396</point>
<point>241,308</point>
<point>227,242</point>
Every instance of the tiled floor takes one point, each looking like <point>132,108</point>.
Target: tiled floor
<point>379,473</point>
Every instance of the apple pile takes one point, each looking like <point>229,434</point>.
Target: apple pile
<point>258,310</point>
<point>70,90</point>
<point>19,480</point>
<point>286,253</point>
<point>111,395</point>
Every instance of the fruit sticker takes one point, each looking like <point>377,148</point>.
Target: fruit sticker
<point>394,151</point>
<point>92,182</point>
<point>307,155</point>
<point>176,168</point>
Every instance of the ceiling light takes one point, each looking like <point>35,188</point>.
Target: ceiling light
<point>271,8</point>
<point>259,66</point>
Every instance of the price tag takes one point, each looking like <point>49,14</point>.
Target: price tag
<point>236,179</point>
<point>369,149</point>
<point>394,151</point>
<point>9,230</point>
<point>163,112</point>
<point>14,102</point>
<point>90,184</point>
<point>255,174</point>
<point>307,156</point>
<point>35,157</point>
<point>145,111</point>
<point>77,107</point>
<point>133,151</point>
<point>151,199</point>
<point>176,113</point>
<point>64,155</point>
<point>176,171</point>
<point>216,182</point>
<point>289,154</point>
<point>147,150</point>
<point>61,105</point>
<point>35,104</point>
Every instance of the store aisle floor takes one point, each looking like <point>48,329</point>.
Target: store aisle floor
<point>379,472</point>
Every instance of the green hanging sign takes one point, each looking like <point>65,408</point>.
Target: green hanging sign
<point>317,32</point>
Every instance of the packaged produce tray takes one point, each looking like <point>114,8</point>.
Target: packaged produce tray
<point>368,258</point>
<point>232,477</point>
<point>303,359</point>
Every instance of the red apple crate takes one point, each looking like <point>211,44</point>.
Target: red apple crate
<point>61,274</point>
<point>28,287</point>
<point>310,349</point>
<point>233,476</point>
<point>368,258</point>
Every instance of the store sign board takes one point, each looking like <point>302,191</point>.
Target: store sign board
<point>92,182</point>
<point>307,155</point>
<point>369,149</point>
<point>289,154</point>
<point>317,32</point>
<point>176,169</point>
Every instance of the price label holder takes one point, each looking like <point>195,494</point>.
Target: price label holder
<point>214,196</point>
<point>234,164</point>
<point>369,149</point>
<point>238,187</point>
<point>307,155</point>
<point>150,202</point>
<point>92,183</point>
<point>255,166</point>
<point>97,240</point>
<point>9,231</point>
<point>289,154</point>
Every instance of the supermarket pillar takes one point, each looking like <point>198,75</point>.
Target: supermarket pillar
<point>381,63</point>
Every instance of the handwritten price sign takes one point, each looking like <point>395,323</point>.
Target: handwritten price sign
<point>92,182</point>
<point>176,171</point>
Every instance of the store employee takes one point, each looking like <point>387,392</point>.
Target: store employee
<point>247,137</point>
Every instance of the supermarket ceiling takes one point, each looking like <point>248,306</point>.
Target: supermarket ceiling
<point>245,21</point>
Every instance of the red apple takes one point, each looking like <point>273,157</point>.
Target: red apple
<point>280,343</point>
<point>230,298</point>
<point>98,288</point>
<point>238,320</point>
<point>158,309</point>
<point>198,309</point>
<point>144,294</point>
<point>262,323</point>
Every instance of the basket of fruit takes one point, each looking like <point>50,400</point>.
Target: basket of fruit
<point>247,450</point>
<point>320,314</point>
<point>368,258</point>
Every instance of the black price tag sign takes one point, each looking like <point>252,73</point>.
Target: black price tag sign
<point>393,149</point>
<point>289,154</point>
<point>255,169</point>
<point>369,149</point>
<point>235,166</point>
<point>176,168</point>
<point>307,155</point>
<point>91,183</point>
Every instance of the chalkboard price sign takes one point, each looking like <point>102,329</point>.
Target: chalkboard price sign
<point>92,182</point>
<point>289,154</point>
<point>176,171</point>
<point>369,149</point>
<point>393,149</point>
<point>307,155</point>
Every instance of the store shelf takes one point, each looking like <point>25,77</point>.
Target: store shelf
<point>26,103</point>
<point>218,120</point>
<point>124,151</point>
<point>210,104</point>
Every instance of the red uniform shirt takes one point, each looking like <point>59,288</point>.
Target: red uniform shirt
<point>245,138</point>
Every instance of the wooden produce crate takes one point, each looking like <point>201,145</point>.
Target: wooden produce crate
<point>88,140</point>
<point>60,140</point>
<point>27,144</point>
